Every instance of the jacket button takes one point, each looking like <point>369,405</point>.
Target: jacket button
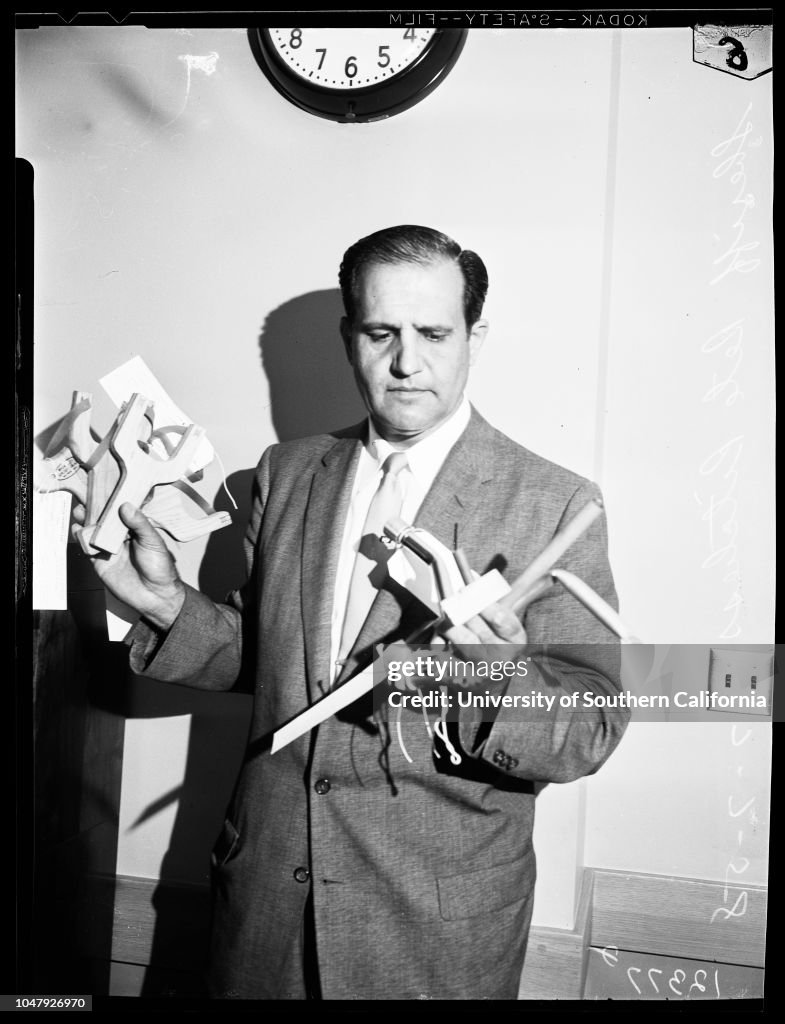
<point>322,786</point>
<point>301,874</point>
<point>499,758</point>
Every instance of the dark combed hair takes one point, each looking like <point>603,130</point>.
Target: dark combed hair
<point>411,243</point>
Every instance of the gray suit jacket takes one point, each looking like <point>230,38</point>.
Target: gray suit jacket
<point>422,870</point>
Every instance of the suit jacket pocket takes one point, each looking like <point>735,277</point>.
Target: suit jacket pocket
<point>487,889</point>
<point>226,845</point>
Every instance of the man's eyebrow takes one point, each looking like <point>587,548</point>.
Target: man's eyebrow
<point>377,325</point>
<point>442,328</point>
<point>381,325</point>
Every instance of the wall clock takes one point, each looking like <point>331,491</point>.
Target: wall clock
<point>356,74</point>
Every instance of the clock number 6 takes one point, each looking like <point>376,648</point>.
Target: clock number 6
<point>384,57</point>
<point>350,69</point>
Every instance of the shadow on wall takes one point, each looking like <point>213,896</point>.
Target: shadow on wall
<point>311,391</point>
<point>312,388</point>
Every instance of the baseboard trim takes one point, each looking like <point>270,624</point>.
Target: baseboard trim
<point>556,958</point>
<point>687,917</point>
<point>173,917</point>
<point>630,911</point>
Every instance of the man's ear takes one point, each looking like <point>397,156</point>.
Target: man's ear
<point>346,334</point>
<point>476,338</point>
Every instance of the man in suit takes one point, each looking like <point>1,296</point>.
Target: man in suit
<point>384,854</point>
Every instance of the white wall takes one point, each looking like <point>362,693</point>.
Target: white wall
<point>692,540</point>
<point>177,214</point>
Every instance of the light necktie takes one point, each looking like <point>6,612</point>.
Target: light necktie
<point>370,564</point>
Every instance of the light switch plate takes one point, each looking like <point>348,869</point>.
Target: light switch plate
<point>734,673</point>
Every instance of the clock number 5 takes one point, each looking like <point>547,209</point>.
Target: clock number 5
<point>384,57</point>
<point>350,69</point>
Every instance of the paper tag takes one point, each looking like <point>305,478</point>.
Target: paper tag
<point>135,376</point>
<point>64,465</point>
<point>414,575</point>
<point>51,516</point>
<point>475,598</point>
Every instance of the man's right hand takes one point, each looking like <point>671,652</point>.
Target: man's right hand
<point>143,573</point>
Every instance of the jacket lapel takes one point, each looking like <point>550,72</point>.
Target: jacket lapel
<point>325,516</point>
<point>447,508</point>
<point>456,491</point>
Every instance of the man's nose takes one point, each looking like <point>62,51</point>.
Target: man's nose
<point>407,358</point>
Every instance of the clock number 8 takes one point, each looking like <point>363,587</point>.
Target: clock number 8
<point>296,38</point>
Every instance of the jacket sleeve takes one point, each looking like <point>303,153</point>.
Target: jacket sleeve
<point>571,655</point>
<point>209,645</point>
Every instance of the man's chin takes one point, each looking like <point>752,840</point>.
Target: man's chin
<point>397,429</point>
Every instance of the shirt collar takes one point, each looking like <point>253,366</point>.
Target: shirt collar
<point>426,456</point>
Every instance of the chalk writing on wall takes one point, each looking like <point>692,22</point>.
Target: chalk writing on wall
<point>741,811</point>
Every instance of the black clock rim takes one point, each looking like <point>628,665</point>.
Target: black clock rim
<point>371,102</point>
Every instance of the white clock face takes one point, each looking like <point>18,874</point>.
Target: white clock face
<point>349,58</point>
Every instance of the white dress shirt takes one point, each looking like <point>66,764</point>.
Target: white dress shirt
<point>425,459</point>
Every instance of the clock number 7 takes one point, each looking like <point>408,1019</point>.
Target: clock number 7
<point>384,57</point>
<point>324,54</point>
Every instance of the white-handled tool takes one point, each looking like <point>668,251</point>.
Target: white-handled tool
<point>599,608</point>
<point>531,584</point>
